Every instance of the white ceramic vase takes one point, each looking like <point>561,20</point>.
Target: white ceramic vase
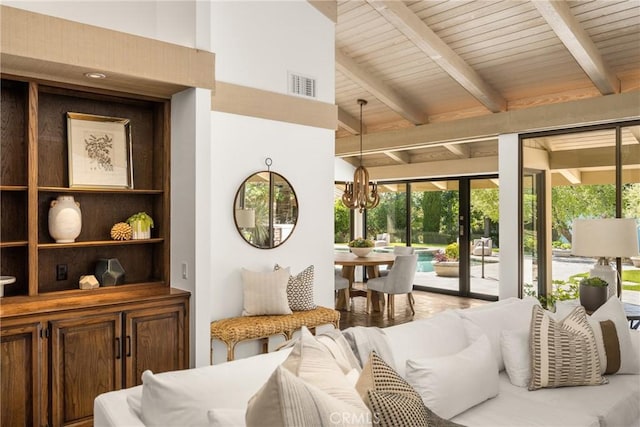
<point>65,219</point>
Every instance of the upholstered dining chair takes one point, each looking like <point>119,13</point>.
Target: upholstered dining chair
<point>341,284</point>
<point>398,281</point>
<point>397,250</point>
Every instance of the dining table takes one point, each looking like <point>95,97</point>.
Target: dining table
<point>371,263</point>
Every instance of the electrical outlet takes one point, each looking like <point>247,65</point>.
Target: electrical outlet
<point>61,272</point>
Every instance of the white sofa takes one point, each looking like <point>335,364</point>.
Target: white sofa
<point>218,395</point>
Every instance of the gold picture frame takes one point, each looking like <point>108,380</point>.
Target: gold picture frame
<point>99,151</point>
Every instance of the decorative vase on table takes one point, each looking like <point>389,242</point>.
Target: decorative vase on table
<point>65,219</point>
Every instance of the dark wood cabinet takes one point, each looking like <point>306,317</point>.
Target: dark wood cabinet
<point>20,374</point>
<point>62,346</point>
<point>86,357</point>
<point>72,347</point>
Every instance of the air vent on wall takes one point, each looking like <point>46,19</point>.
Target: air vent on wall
<point>302,85</point>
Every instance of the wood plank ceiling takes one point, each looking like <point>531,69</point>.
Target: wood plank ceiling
<point>431,61</point>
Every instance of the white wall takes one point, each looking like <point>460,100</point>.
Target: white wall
<point>509,225</point>
<point>256,44</point>
<point>170,21</point>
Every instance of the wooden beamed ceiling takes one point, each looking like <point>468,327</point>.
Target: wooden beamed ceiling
<point>443,78</point>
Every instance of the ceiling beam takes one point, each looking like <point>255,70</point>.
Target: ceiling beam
<point>635,132</point>
<point>559,17</point>
<point>378,88</point>
<point>328,8</point>
<point>462,151</point>
<point>574,176</point>
<point>590,158</point>
<point>399,156</point>
<point>440,185</point>
<point>604,109</point>
<point>409,24</point>
<point>350,123</point>
<point>435,169</point>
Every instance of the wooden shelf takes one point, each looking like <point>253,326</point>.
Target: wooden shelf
<point>14,244</point>
<point>99,243</point>
<point>13,188</point>
<point>97,190</point>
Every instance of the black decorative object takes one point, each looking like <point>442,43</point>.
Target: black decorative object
<point>109,272</point>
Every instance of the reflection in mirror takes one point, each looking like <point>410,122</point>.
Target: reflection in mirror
<point>265,209</point>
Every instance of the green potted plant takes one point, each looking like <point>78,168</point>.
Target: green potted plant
<point>445,262</point>
<point>361,247</point>
<point>593,293</point>
<point>141,225</point>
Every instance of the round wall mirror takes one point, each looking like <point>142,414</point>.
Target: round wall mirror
<point>265,210</point>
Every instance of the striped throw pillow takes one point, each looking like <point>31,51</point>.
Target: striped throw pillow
<point>563,353</point>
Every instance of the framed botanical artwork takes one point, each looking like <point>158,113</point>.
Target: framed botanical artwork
<point>99,151</point>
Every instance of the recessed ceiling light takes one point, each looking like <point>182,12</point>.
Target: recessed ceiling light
<point>95,75</point>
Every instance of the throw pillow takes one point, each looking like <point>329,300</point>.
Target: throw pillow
<point>613,336</point>
<point>492,319</point>
<point>265,293</point>
<point>452,384</point>
<point>337,345</point>
<point>225,417</point>
<point>300,290</point>
<point>563,353</point>
<point>311,361</point>
<point>392,401</point>
<point>515,351</point>
<point>289,401</point>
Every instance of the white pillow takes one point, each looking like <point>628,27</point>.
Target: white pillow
<point>611,310</point>
<point>492,319</point>
<point>224,417</point>
<point>515,352</point>
<point>265,293</point>
<point>452,384</point>
<point>440,335</point>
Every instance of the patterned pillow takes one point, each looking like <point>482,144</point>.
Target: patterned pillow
<point>393,402</point>
<point>300,290</point>
<point>563,353</point>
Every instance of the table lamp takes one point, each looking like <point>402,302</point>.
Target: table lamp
<point>605,238</point>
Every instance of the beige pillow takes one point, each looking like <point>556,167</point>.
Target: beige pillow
<point>289,401</point>
<point>265,293</point>
<point>392,400</point>
<point>311,361</point>
<point>563,353</point>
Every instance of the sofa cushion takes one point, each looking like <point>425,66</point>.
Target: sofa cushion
<point>300,290</point>
<point>289,401</point>
<point>515,352</point>
<point>452,384</point>
<point>312,362</point>
<point>518,407</point>
<point>440,335</point>
<point>184,397</point>
<point>223,417</point>
<point>392,400</point>
<point>563,353</point>
<point>265,293</point>
<point>612,310</point>
<point>492,319</point>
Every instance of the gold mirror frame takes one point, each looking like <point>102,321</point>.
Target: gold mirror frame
<point>265,210</point>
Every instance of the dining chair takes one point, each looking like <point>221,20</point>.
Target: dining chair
<point>398,281</point>
<point>397,250</point>
<point>341,285</point>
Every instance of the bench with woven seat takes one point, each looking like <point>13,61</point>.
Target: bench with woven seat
<point>233,330</point>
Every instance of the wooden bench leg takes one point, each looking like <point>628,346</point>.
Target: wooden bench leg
<point>265,345</point>
<point>231,351</point>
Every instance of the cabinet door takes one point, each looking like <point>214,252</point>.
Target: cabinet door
<point>86,360</point>
<point>20,375</point>
<point>155,340</point>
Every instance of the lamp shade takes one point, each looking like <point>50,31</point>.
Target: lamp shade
<point>607,237</point>
<point>246,218</point>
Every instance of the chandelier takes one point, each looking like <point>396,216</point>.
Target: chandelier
<point>361,194</point>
